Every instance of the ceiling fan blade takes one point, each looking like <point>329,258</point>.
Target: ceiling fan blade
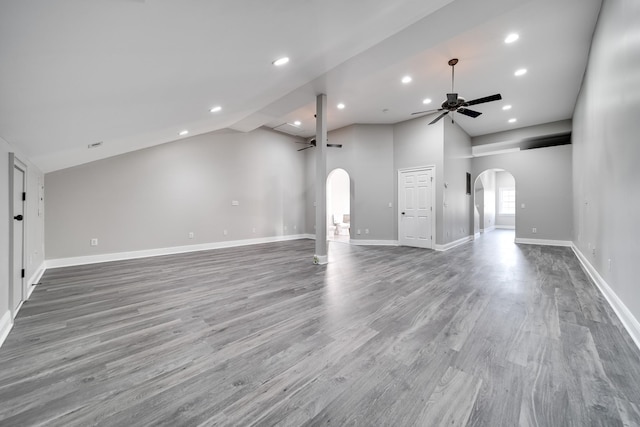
<point>467,112</point>
<point>496,97</point>
<point>335,145</point>
<point>305,148</point>
<point>439,117</point>
<point>452,98</point>
<point>425,112</point>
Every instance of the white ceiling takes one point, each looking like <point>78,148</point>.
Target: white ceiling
<point>133,73</point>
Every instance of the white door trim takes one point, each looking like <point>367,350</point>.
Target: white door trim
<point>433,199</point>
<point>15,162</point>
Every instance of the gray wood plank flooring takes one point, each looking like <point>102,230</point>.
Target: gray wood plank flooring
<point>487,334</point>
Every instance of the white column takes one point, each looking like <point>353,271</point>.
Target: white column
<point>320,256</point>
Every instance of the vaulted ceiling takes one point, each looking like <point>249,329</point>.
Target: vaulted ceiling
<point>135,73</point>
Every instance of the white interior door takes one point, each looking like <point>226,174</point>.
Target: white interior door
<point>18,238</point>
<point>415,194</point>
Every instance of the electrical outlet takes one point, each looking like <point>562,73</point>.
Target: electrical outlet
<point>358,231</point>
<point>253,230</point>
<point>609,264</point>
<point>225,232</point>
<point>534,230</point>
<point>94,242</point>
<point>593,251</point>
<point>366,231</point>
<point>285,228</point>
<point>191,234</point>
<point>235,203</point>
<point>295,227</point>
<point>390,204</point>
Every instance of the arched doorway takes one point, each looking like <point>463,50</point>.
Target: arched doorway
<point>338,205</point>
<point>494,201</point>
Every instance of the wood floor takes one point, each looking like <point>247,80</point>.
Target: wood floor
<point>486,334</point>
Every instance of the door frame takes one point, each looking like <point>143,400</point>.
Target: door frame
<point>15,162</point>
<point>433,199</point>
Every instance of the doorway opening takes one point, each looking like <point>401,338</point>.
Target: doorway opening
<point>339,206</point>
<point>495,201</point>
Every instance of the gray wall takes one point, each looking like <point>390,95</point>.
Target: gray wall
<point>606,176</point>
<point>153,198</point>
<point>367,156</point>
<point>416,143</point>
<point>34,223</point>
<point>504,180</point>
<point>543,181</point>
<point>457,204</point>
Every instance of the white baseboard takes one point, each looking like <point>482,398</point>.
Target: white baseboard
<point>451,245</point>
<point>120,256</point>
<point>543,242</point>
<point>359,242</point>
<point>488,229</point>
<point>629,322</point>
<point>320,259</point>
<point>6,323</point>
<point>35,278</point>
<point>506,227</point>
<point>477,235</point>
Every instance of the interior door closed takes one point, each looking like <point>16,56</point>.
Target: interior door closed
<point>18,238</point>
<point>415,208</point>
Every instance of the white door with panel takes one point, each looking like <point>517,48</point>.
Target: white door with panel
<point>18,238</point>
<point>415,204</point>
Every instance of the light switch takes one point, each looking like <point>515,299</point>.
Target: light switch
<point>235,203</point>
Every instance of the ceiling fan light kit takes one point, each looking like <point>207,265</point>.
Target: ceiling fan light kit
<point>457,104</point>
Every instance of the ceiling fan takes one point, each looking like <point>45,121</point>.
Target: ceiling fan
<point>455,103</point>
<point>312,144</point>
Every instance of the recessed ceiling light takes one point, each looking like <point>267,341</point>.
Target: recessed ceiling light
<point>215,109</point>
<point>520,72</point>
<point>406,79</point>
<point>506,107</point>
<point>297,123</point>
<point>426,101</point>
<point>183,132</point>
<point>511,38</point>
<point>280,61</point>
<point>512,120</point>
<point>341,106</point>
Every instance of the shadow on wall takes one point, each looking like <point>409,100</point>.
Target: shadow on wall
<point>494,201</point>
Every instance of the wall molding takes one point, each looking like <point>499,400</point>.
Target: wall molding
<point>451,245</point>
<point>6,323</point>
<point>488,229</point>
<point>506,227</point>
<point>544,242</point>
<point>359,242</point>
<point>627,319</point>
<point>121,256</point>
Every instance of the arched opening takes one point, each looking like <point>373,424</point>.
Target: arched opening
<point>338,206</point>
<point>494,202</point>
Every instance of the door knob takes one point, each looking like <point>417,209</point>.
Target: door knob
<point>18,217</point>
<point>402,213</point>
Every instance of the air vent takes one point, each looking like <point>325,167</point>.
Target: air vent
<point>95,145</point>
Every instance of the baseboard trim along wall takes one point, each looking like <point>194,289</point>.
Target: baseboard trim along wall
<point>6,323</point>
<point>359,242</point>
<point>629,322</point>
<point>544,242</point>
<point>121,256</point>
<point>451,245</point>
<point>506,227</point>
<point>35,278</point>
